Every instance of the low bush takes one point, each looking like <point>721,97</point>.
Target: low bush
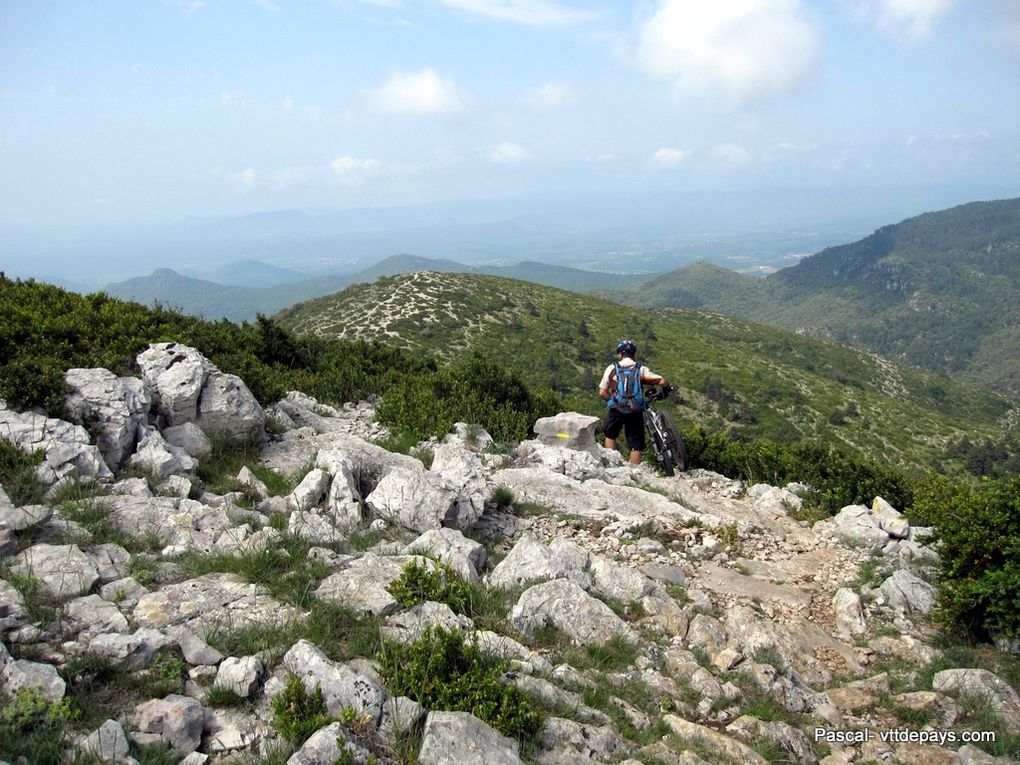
<point>418,583</point>
<point>33,729</point>
<point>297,714</point>
<point>836,478</point>
<point>444,673</point>
<point>473,389</point>
<point>978,531</point>
<point>17,474</point>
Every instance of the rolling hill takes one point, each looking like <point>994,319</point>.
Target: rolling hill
<point>940,291</point>
<point>747,378</point>
<point>252,290</point>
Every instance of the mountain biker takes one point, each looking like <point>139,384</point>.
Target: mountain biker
<point>625,402</point>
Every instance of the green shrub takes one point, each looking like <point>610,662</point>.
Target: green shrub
<point>33,728</point>
<point>298,714</point>
<point>418,583</point>
<point>443,673</point>
<point>837,479</point>
<point>979,532</point>
<point>17,474</point>
<point>473,389</point>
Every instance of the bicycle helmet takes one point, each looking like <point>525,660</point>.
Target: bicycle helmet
<point>626,347</point>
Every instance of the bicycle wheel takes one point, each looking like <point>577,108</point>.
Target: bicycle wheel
<point>663,455</point>
<point>674,443</point>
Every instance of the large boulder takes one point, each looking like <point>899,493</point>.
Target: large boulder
<point>562,603</point>
<point>212,601</point>
<point>570,430</point>
<point>111,408</point>
<point>414,498</point>
<point>465,556</point>
<point>460,738</point>
<point>68,447</point>
<point>177,720</point>
<point>909,593</point>
<point>61,571</point>
<point>342,686</point>
<point>531,560</point>
<point>362,584</point>
<point>187,387</point>
<point>985,685</point>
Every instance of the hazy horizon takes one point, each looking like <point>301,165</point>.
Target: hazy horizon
<point>134,125</point>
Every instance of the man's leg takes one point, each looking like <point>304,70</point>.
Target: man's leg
<point>635,457</point>
<point>610,443</point>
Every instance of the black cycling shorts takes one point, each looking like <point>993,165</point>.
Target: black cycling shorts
<point>635,425</point>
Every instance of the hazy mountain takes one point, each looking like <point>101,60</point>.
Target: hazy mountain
<point>248,273</point>
<point>224,299</point>
<point>732,374</point>
<point>940,291</point>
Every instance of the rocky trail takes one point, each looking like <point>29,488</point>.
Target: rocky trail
<point>656,620</point>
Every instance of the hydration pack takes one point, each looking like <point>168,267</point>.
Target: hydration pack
<point>629,398</point>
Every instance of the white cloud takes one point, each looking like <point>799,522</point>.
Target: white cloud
<point>231,98</point>
<point>421,93</point>
<point>538,13</point>
<point>288,104</point>
<point>744,49</point>
<point>668,159</point>
<point>288,177</point>
<point>735,155</point>
<point>551,95</point>
<point>509,153</point>
<point>913,18</point>
<point>246,180</point>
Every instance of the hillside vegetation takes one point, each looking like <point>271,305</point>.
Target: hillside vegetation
<point>745,379</point>
<point>940,291</point>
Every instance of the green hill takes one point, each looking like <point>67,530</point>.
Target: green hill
<point>733,375</point>
<point>940,291</point>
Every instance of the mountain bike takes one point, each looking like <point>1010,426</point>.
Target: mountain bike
<point>667,443</point>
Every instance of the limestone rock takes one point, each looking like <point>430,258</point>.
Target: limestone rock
<point>584,619</point>
<point>984,684</point>
<point>728,747</point>
<point>414,498</point>
<point>68,447</point>
<point>240,676</point>
<point>107,744</point>
<point>129,652</point>
<point>465,556</point>
<point>326,746</point>
<point>310,492</point>
<point>210,601</point>
<point>341,685</point>
<point>112,408</point>
<point>177,720</point>
<point>530,560</point>
<point>61,571</point>
<point>19,674</point>
<point>909,593</point>
<point>189,437</point>
<point>460,738</point>
<point>91,615</point>
<point>175,375</point>
<point>568,429</point>
<point>362,584</point>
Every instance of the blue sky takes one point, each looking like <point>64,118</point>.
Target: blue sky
<point>146,110</point>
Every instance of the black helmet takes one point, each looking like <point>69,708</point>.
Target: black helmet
<point>626,348</point>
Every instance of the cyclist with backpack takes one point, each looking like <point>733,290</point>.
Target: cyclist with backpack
<point>620,388</point>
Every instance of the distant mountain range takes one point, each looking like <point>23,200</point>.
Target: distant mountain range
<point>733,375</point>
<point>246,288</point>
<point>940,291</point>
